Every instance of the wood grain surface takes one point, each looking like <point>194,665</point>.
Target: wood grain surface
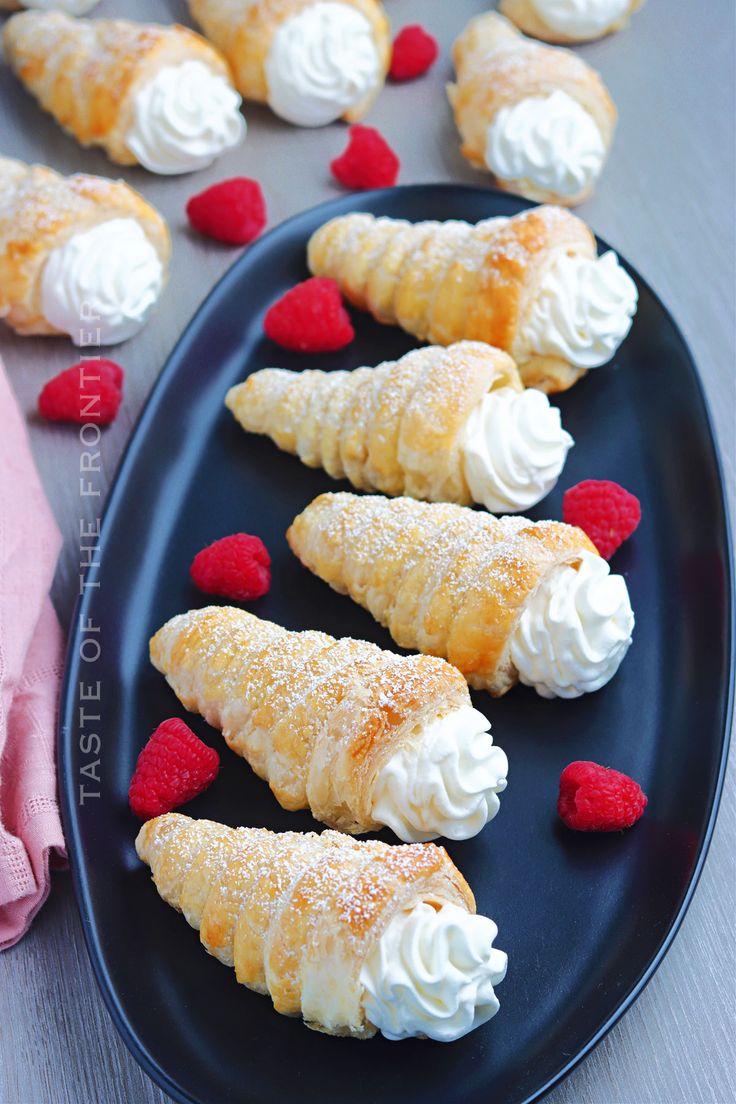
<point>666,202</point>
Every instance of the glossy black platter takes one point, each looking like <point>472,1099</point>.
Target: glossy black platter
<point>585,920</point>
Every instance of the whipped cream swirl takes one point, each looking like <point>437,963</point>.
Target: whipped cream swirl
<point>580,18</point>
<point>184,118</point>
<point>549,142</point>
<point>432,973</point>
<point>514,449</point>
<point>574,631</point>
<point>445,786</point>
<point>322,61</point>
<point>71,7</point>
<point>103,281</point>
<point>583,310</point>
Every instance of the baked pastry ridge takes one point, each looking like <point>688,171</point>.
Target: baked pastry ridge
<point>362,737</point>
<point>531,285</point>
<point>353,936</point>
<point>503,599</point>
<point>569,21</point>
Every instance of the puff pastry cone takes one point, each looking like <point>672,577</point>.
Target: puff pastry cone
<point>311,61</point>
<point>80,255</point>
<point>361,737</point>
<point>147,94</point>
<point>354,937</point>
<point>503,599</point>
<point>531,285</point>
<point>537,117</point>
<point>448,424</point>
<point>569,21</point>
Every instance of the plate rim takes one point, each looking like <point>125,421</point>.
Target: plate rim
<point>69,816</point>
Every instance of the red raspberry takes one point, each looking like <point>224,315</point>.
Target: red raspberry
<point>598,799</point>
<point>233,211</point>
<point>368,161</point>
<point>172,768</point>
<point>414,53</point>
<point>90,391</point>
<point>237,567</point>
<point>603,510</point>
<point>310,318</point>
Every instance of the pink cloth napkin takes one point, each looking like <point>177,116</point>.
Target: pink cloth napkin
<point>31,657</point>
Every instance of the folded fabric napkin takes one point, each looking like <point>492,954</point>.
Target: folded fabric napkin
<point>31,658</point>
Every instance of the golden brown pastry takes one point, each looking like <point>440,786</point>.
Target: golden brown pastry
<point>537,117</point>
<point>147,94</point>
<point>353,937</point>
<point>362,737</point>
<point>531,285</point>
<point>503,599</point>
<point>446,424</point>
<point>80,255</point>
<point>569,21</point>
<point>312,61</point>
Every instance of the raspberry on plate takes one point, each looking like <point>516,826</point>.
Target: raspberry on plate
<point>90,391</point>
<point>236,567</point>
<point>414,52</point>
<point>233,211</point>
<point>310,318</point>
<point>598,799</point>
<point>604,510</point>
<point>174,767</point>
<point>368,161</point>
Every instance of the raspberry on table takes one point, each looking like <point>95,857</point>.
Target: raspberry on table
<point>89,391</point>
<point>174,767</point>
<point>414,52</point>
<point>310,318</point>
<point>236,567</point>
<point>604,510</point>
<point>593,798</point>
<point>368,161</point>
<point>233,211</point>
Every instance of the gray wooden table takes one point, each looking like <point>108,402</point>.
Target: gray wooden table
<point>666,202</point>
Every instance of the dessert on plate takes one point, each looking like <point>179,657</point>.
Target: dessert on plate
<point>569,20</point>
<point>360,736</point>
<point>503,599</point>
<point>147,94</point>
<point>450,424</point>
<point>532,285</point>
<point>537,117</point>
<point>354,937</point>
<point>311,61</point>
<point>79,255</point>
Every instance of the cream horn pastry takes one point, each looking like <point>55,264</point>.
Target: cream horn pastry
<point>503,599</point>
<point>361,737</point>
<point>569,21</point>
<point>311,61</point>
<point>537,117</point>
<point>354,937</point>
<point>79,255</point>
<point>446,424</point>
<point>532,285</point>
<point>147,94</point>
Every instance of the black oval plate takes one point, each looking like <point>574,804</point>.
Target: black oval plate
<point>585,920</point>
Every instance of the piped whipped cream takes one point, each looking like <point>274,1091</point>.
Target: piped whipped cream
<point>432,973</point>
<point>447,785</point>
<point>550,142</point>
<point>514,449</point>
<point>574,631</point>
<point>104,281</point>
<point>71,7</point>
<point>578,18</point>
<point>322,61</point>
<point>184,118</point>
<point>583,310</point>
